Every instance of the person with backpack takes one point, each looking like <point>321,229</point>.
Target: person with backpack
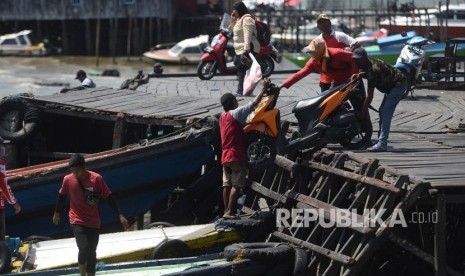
<point>245,41</point>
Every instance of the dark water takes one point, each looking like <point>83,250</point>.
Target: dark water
<point>47,75</point>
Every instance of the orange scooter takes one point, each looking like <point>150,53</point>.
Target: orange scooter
<point>326,118</point>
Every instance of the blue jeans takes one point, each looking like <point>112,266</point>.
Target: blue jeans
<point>386,111</point>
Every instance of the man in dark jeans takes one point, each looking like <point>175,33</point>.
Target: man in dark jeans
<point>388,80</point>
<point>84,213</point>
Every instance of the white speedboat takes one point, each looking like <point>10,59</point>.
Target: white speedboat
<point>187,51</point>
<point>21,44</point>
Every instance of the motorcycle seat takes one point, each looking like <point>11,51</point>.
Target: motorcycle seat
<point>315,101</point>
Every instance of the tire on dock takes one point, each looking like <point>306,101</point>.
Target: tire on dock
<point>5,257</point>
<point>18,120</point>
<point>263,251</point>
<point>171,249</point>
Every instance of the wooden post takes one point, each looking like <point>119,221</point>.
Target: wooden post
<point>159,31</point>
<point>64,37</point>
<point>128,42</point>
<point>118,131</point>
<point>142,37</point>
<point>97,35</point>
<point>151,32</point>
<point>88,38</point>
<point>115,39</point>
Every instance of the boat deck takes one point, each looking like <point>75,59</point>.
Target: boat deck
<point>426,139</point>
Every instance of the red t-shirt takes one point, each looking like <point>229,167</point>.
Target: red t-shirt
<point>332,42</point>
<point>232,139</point>
<point>340,67</point>
<point>5,190</point>
<point>80,212</point>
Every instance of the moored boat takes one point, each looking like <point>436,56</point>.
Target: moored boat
<point>20,43</point>
<point>447,21</point>
<point>140,175</point>
<point>187,51</point>
<point>386,49</point>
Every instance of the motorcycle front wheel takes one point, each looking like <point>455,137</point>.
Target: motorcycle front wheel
<point>261,150</point>
<point>361,139</point>
<point>206,69</point>
<point>267,65</point>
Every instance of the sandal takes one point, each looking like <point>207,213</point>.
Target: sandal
<point>229,216</point>
<point>376,148</point>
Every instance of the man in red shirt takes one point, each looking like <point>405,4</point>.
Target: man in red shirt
<point>83,213</point>
<point>234,154</point>
<point>333,39</point>
<point>5,193</point>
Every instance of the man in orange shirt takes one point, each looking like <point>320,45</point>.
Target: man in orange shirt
<point>333,39</point>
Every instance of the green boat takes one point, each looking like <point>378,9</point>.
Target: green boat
<point>387,49</point>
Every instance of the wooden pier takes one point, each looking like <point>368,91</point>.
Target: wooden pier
<point>426,136</point>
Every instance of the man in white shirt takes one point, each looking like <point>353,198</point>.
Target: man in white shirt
<point>85,81</point>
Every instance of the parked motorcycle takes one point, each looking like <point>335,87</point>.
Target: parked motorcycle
<point>215,60</point>
<point>410,60</point>
<point>326,118</point>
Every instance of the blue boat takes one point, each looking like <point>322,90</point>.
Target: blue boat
<point>140,175</point>
<point>210,264</point>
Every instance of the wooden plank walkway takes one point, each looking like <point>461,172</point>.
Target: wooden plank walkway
<point>419,144</point>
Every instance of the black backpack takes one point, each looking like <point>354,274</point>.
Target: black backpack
<point>263,32</point>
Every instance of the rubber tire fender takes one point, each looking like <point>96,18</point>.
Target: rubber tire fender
<point>168,249</point>
<point>5,257</point>
<point>36,238</point>
<point>27,115</point>
<point>241,224</point>
<point>262,251</point>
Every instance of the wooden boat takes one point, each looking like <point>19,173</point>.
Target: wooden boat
<point>435,22</point>
<point>20,43</point>
<point>140,176</point>
<point>142,152</point>
<point>187,51</point>
<point>197,265</point>
<point>125,246</point>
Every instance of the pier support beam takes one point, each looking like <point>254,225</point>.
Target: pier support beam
<point>118,131</point>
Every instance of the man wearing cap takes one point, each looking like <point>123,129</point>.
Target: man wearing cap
<point>85,81</point>
<point>234,155</point>
<point>336,63</point>
<point>84,213</point>
<point>333,39</point>
<point>388,80</point>
<point>5,193</point>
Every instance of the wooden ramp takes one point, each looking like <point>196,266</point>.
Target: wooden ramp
<point>378,236</point>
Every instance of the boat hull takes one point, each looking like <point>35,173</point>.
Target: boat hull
<point>140,177</point>
<point>388,54</point>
